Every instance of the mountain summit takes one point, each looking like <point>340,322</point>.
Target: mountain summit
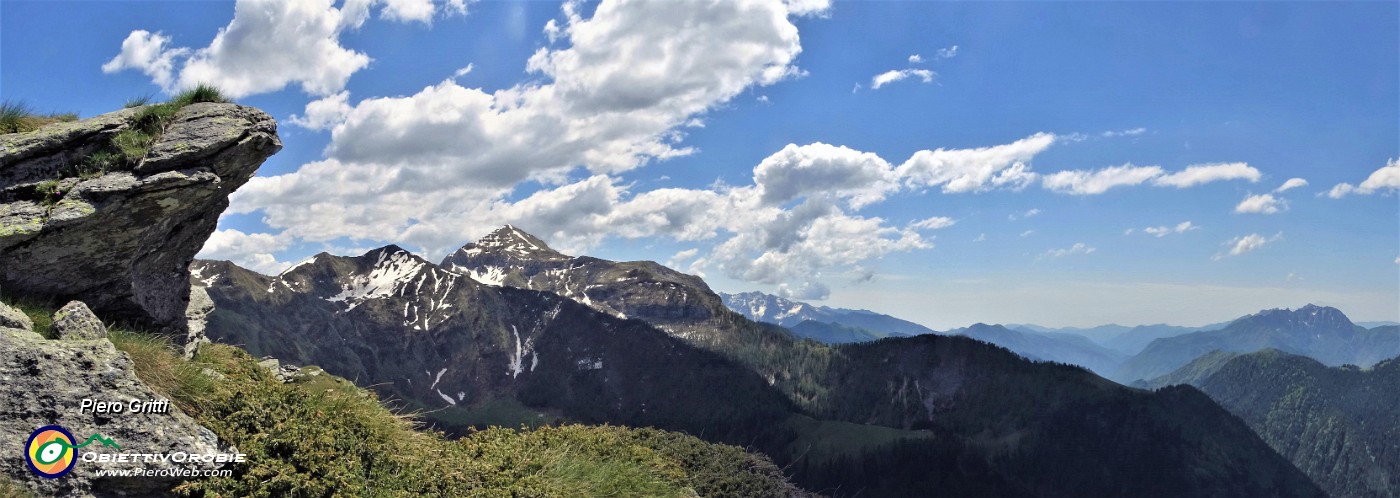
<point>677,303</point>
<point>1314,318</point>
<point>510,240</point>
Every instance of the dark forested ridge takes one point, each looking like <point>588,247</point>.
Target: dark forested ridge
<point>894,417</point>
<point>1340,425</point>
<point>834,333</point>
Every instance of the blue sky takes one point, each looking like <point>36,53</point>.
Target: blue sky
<point>993,178</point>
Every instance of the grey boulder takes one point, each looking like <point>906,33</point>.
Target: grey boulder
<point>75,322</point>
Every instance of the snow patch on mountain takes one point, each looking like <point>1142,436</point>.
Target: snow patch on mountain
<point>522,349</point>
<point>391,273</point>
<point>494,276</point>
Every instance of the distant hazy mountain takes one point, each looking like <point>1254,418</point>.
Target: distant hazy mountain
<point>1124,339</point>
<point>1062,348</point>
<point>1371,325</point>
<point>1137,338</point>
<point>1099,333</point>
<point>1322,333</point>
<point>768,308</point>
<point>1340,425</point>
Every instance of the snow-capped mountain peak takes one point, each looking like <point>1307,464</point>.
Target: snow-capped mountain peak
<point>512,241</point>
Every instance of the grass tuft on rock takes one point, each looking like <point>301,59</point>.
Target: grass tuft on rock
<point>200,93</point>
<point>149,123</point>
<point>138,101</point>
<point>17,117</point>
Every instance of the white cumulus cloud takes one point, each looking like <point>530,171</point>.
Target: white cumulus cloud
<point>818,168</point>
<point>1163,231</point>
<point>1085,182</point>
<point>1385,179</point>
<point>1261,204</point>
<point>1207,173</point>
<point>1246,243</point>
<point>895,75</point>
<point>251,251</point>
<point>933,223</point>
<point>975,170</point>
<point>1291,184</point>
<point>1077,248</point>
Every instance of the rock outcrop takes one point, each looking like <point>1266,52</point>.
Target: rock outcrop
<point>122,239</point>
<point>45,382</point>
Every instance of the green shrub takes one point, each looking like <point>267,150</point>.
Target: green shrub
<point>335,439</point>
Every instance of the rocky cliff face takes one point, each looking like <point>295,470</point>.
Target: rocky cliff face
<point>121,238</point>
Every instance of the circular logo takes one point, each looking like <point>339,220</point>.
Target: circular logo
<point>51,452</point>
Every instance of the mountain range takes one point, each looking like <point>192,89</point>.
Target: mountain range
<point>508,330</point>
<point>1121,338</point>
<point>1340,425</point>
<point>1319,332</point>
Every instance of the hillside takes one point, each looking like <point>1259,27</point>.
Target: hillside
<point>1340,425</point>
